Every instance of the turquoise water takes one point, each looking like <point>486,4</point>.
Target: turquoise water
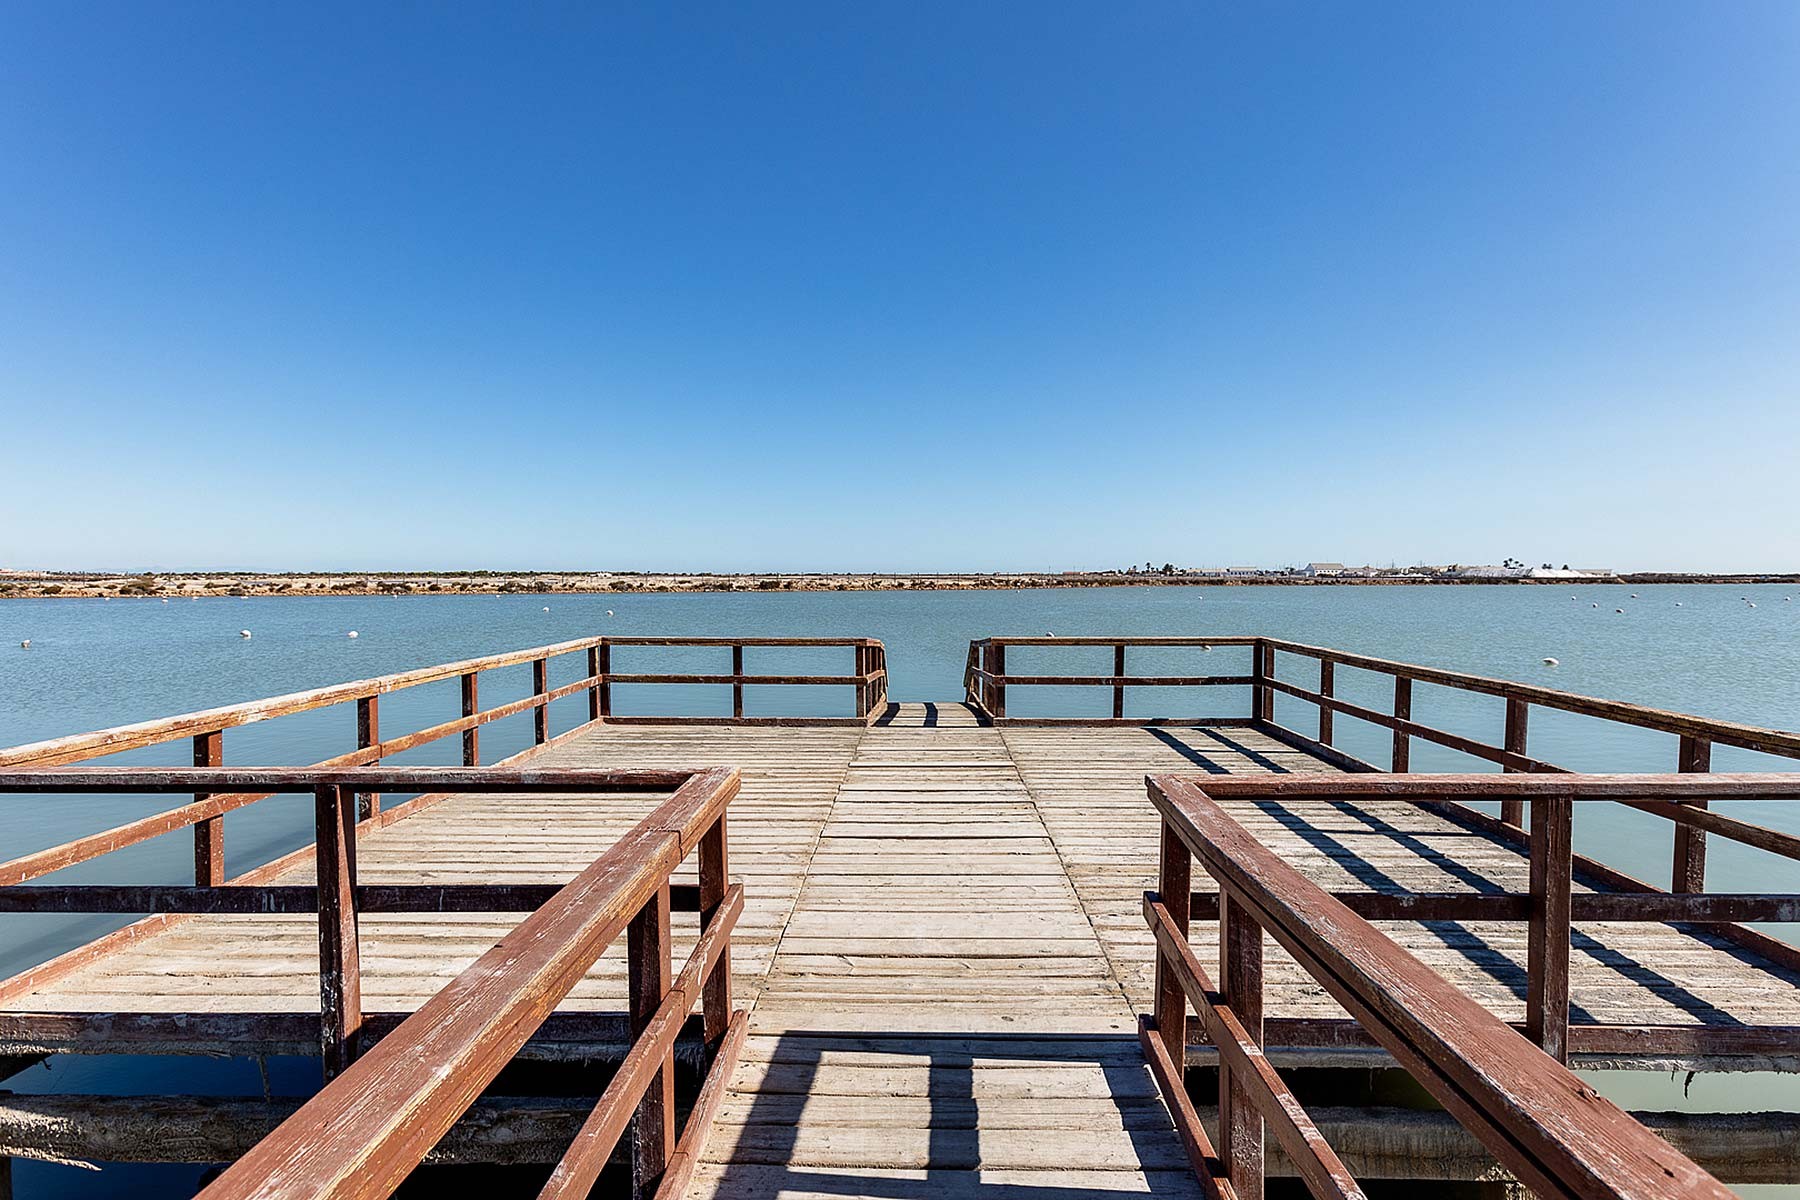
<point>92,663</point>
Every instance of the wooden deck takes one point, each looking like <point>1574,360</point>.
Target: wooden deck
<point>942,939</point>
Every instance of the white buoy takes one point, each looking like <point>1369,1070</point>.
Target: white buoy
<point>1634,595</point>
<point>25,645</point>
<point>1596,604</point>
<point>546,608</point>
<point>609,612</point>
<point>1048,633</point>
<point>352,633</point>
<point>243,633</point>
<point>1751,603</point>
<point>1551,662</point>
<point>1678,604</point>
<point>165,599</point>
<point>1620,611</point>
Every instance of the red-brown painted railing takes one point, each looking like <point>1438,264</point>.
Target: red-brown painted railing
<point>1543,1123</point>
<point>206,730</point>
<point>337,896</point>
<point>385,1106</point>
<point>868,678</point>
<point>986,682</point>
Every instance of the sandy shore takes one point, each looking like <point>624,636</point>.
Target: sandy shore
<point>39,584</point>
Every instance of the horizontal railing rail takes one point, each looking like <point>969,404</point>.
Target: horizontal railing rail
<point>1543,1123</point>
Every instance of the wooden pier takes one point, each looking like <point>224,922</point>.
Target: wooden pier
<point>923,959</point>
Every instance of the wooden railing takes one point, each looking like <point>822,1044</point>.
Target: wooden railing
<point>336,895</point>
<point>1542,1122</point>
<point>1550,904</point>
<point>206,729</point>
<point>868,677</point>
<point>986,682</point>
<point>385,1106</point>
<point>985,678</point>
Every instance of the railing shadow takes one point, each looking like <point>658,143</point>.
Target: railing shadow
<point>769,1158</point>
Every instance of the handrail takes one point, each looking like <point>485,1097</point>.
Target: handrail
<point>986,682</point>
<point>1550,906</point>
<point>868,677</point>
<point>336,897</point>
<point>377,1120</point>
<point>1545,1124</point>
<point>74,747</point>
<point>206,729</point>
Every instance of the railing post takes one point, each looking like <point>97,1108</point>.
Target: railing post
<point>340,971</point>
<point>540,716</point>
<point>1327,686</point>
<point>1689,873</point>
<point>471,704</point>
<point>1262,667</point>
<point>1403,712</point>
<point>653,1125</point>
<point>1548,933</point>
<point>1175,890</point>
<point>209,835</point>
<point>859,667</point>
<point>1517,714</point>
<point>593,670</point>
<point>1118,688</point>
<point>737,689</point>
<point>715,878</point>
<point>605,680</point>
<point>368,734</point>
<point>998,708</point>
<point>1240,1123</point>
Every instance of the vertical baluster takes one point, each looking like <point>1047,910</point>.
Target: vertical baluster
<point>1000,686</point>
<point>1548,933</point>
<point>1689,873</point>
<point>1118,688</point>
<point>540,685</point>
<point>653,1125</point>
<point>605,680</point>
<point>1327,689</point>
<point>368,735</point>
<point>593,670</point>
<point>1518,713</point>
<point>715,878</point>
<point>1402,711</point>
<point>1262,667</point>
<point>737,689</point>
<point>1175,890</point>
<point>340,972</point>
<point>1240,1124</point>
<point>859,667</point>
<point>209,835</point>
<point>471,704</point>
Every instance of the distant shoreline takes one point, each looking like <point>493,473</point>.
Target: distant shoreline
<point>27,585</point>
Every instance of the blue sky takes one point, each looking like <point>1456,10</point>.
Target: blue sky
<point>898,286</point>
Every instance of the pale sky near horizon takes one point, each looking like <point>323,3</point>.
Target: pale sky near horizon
<point>898,286</point>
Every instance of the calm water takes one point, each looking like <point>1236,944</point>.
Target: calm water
<point>96,663</point>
